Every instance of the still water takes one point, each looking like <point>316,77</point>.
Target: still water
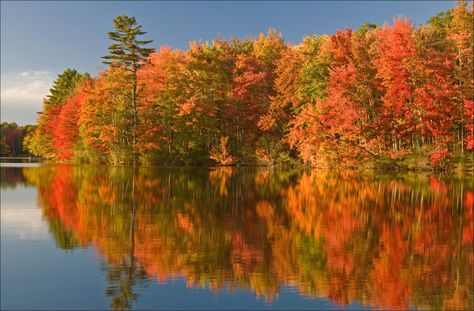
<point>110,237</point>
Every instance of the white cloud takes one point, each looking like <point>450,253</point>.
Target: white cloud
<point>23,92</point>
<point>25,88</point>
<point>34,73</point>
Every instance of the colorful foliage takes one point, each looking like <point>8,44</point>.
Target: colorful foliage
<point>371,96</point>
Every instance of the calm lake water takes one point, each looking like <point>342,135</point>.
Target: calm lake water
<point>110,237</point>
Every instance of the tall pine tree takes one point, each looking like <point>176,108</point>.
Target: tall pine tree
<point>128,51</point>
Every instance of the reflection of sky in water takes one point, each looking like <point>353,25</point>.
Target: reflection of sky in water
<point>21,197</point>
<point>23,223</point>
<point>20,217</point>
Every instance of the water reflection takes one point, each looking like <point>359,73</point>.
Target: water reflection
<point>391,242</point>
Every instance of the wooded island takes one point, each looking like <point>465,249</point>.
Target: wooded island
<point>391,96</point>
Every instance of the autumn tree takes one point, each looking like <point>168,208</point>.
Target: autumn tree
<point>220,152</point>
<point>469,114</point>
<point>206,84</point>
<point>459,31</point>
<point>105,119</point>
<point>159,133</point>
<point>41,141</point>
<point>335,125</point>
<point>66,132</point>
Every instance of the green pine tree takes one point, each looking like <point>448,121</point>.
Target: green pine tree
<point>128,51</point>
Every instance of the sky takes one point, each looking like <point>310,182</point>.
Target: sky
<point>40,39</point>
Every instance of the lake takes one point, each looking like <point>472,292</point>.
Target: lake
<point>98,237</point>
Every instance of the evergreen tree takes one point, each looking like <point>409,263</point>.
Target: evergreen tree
<point>127,51</point>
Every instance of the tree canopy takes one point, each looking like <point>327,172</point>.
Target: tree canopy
<point>382,95</point>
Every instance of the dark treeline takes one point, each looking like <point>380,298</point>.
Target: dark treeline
<point>385,96</point>
<point>11,139</point>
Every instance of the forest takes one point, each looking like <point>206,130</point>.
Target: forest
<point>396,96</point>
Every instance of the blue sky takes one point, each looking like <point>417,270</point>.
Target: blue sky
<point>41,39</point>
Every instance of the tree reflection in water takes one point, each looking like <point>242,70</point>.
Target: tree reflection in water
<point>384,241</point>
